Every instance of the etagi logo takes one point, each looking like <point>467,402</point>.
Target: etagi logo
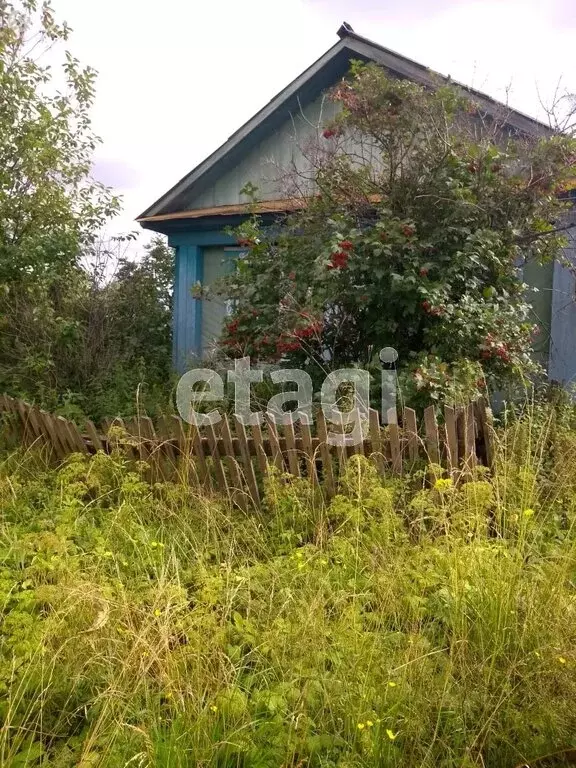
<point>204,385</point>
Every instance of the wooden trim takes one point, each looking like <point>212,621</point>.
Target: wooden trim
<point>266,206</point>
<point>286,205</point>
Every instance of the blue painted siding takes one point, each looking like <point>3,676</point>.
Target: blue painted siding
<point>187,310</point>
<point>187,320</point>
<point>562,366</point>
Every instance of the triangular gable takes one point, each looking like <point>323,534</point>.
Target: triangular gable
<point>326,71</point>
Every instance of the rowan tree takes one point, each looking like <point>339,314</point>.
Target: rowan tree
<point>423,214</point>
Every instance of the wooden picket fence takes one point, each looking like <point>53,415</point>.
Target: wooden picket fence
<point>233,458</point>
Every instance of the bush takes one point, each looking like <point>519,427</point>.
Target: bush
<point>418,212</point>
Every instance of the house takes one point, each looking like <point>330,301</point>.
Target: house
<point>197,212</point>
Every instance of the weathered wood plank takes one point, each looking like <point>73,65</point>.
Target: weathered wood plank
<point>486,426</point>
<point>60,448</point>
<point>247,462</point>
<point>28,436</point>
<point>394,434</point>
<point>229,455</point>
<point>432,442</point>
<point>93,435</point>
<point>76,439</point>
<point>153,447</point>
<point>469,437</point>
<point>175,425</point>
<point>451,437</point>
<point>274,443</point>
<point>325,453</point>
<point>38,426</point>
<point>66,438</point>
<point>219,472</point>
<point>306,435</point>
<point>140,443</point>
<point>259,449</point>
<point>376,441</point>
<point>181,446</point>
<point>411,432</point>
<point>197,446</point>
<point>293,460</point>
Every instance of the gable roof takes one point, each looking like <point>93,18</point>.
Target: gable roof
<point>324,72</point>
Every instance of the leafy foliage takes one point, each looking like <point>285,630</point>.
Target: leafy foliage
<point>407,622</point>
<point>67,335</point>
<point>425,210</point>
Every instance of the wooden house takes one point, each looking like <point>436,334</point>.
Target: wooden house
<point>196,213</point>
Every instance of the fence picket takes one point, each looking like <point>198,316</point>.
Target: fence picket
<point>75,438</point>
<point>376,441</point>
<point>27,431</point>
<point>431,427</point>
<point>486,424</point>
<point>60,448</point>
<point>451,436</point>
<point>216,459</point>
<point>411,431</point>
<point>469,438</point>
<point>324,448</point>
<point>292,453</point>
<point>229,455</point>
<point>37,425</point>
<point>166,438</point>
<point>308,450</point>
<point>153,446</point>
<point>274,442</point>
<point>247,461</point>
<point>232,458</point>
<point>93,435</point>
<point>260,451</point>
<point>200,464</point>
<point>181,448</point>
<point>394,441</point>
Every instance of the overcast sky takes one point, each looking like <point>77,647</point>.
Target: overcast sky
<point>177,77</point>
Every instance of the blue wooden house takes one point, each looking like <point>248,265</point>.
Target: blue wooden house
<point>198,210</point>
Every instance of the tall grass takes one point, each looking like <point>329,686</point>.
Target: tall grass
<point>407,622</point>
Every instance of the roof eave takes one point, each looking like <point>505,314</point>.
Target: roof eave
<point>355,45</point>
<point>160,205</point>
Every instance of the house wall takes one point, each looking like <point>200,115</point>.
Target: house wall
<point>199,258</point>
<point>540,277</point>
<point>205,256</point>
<point>562,366</point>
<point>218,261</point>
<point>284,153</point>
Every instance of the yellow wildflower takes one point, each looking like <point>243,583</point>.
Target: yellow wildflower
<point>561,659</point>
<point>391,684</point>
<point>213,708</point>
<point>528,512</point>
<point>443,484</point>
<point>369,723</point>
<point>360,726</point>
<point>391,735</point>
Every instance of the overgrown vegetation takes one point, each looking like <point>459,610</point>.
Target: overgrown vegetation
<point>408,622</point>
<point>412,622</point>
<point>74,334</point>
<point>418,212</point>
